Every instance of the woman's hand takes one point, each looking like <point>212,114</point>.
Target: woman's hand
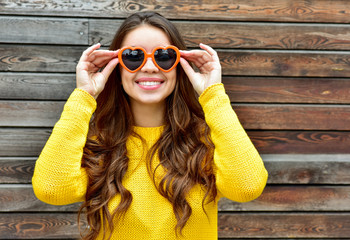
<point>88,76</point>
<point>207,62</point>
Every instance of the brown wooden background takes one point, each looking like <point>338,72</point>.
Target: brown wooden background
<point>286,66</point>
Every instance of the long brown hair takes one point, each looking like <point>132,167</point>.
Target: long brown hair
<point>184,148</point>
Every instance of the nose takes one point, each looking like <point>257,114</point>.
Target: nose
<point>149,66</point>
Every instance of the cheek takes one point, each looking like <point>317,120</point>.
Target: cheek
<point>125,76</point>
<point>172,78</point>
<point>126,81</point>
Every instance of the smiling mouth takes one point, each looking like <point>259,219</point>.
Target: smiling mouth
<point>148,83</point>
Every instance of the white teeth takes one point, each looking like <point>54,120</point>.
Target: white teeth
<point>149,83</point>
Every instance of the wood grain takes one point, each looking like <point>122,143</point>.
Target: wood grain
<point>243,34</point>
<point>249,89</point>
<point>30,113</point>
<point>301,142</point>
<point>282,169</point>
<point>286,68</point>
<point>285,63</point>
<point>284,225</point>
<point>19,198</point>
<point>294,198</point>
<point>32,58</point>
<point>293,117</point>
<point>43,30</point>
<point>252,116</point>
<point>287,90</point>
<point>266,36</point>
<point>307,168</point>
<point>36,86</point>
<point>16,169</point>
<point>234,62</point>
<point>30,141</point>
<point>38,226</point>
<point>25,142</point>
<point>265,225</point>
<point>258,10</point>
<point>73,31</point>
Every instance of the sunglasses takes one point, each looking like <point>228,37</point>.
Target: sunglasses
<point>133,58</point>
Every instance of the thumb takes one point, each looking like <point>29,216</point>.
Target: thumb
<point>110,67</point>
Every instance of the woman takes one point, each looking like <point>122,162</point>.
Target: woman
<point>153,159</point>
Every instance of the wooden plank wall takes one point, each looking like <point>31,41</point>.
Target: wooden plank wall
<point>286,66</point>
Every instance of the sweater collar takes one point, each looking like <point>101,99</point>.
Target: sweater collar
<point>149,133</point>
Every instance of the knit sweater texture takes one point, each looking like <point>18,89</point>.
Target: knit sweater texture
<point>240,174</point>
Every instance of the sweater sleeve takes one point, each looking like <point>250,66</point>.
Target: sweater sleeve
<point>239,169</point>
<point>58,176</point>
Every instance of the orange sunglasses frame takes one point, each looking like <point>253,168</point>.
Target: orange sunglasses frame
<point>147,55</point>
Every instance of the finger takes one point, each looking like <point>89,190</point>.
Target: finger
<point>88,51</point>
<point>210,50</point>
<point>101,62</point>
<point>189,56</point>
<point>206,68</point>
<point>105,58</point>
<point>110,67</point>
<point>198,57</point>
<point>86,66</point>
<point>188,69</point>
<point>97,54</point>
<point>193,54</point>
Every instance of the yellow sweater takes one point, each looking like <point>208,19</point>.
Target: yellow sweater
<point>240,173</point>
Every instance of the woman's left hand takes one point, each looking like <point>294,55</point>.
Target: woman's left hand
<point>208,63</point>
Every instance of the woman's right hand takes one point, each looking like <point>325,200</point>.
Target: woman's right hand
<point>88,76</point>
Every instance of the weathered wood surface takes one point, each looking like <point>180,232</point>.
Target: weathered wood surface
<point>34,58</point>
<point>43,30</point>
<point>285,63</point>
<point>39,226</point>
<point>293,117</point>
<point>274,198</point>
<point>73,31</point>
<point>21,198</point>
<point>291,225</point>
<point>16,169</point>
<point>22,142</point>
<point>301,142</point>
<point>287,90</point>
<point>51,86</point>
<point>244,35</point>
<point>252,116</point>
<point>258,10</point>
<point>36,86</point>
<point>264,225</point>
<point>234,62</point>
<point>294,198</point>
<point>307,168</point>
<point>30,141</point>
<point>282,168</point>
<point>286,67</point>
<point>29,113</point>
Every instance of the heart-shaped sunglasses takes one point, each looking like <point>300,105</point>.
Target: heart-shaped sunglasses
<point>133,58</point>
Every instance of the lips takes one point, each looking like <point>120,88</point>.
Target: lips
<point>149,83</point>
<point>146,83</point>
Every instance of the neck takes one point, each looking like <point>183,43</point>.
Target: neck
<point>148,115</point>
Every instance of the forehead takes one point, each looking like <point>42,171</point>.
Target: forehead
<point>146,36</point>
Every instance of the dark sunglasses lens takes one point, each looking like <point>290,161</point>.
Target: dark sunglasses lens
<point>165,58</point>
<point>132,59</point>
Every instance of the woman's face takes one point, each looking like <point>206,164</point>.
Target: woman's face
<point>149,85</point>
